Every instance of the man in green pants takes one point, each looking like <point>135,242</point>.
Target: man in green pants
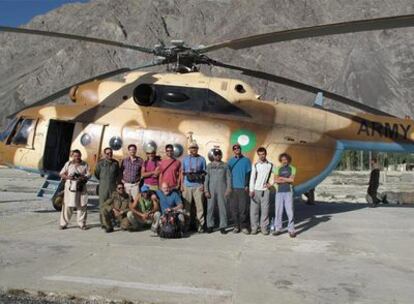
<point>115,208</point>
<point>107,172</point>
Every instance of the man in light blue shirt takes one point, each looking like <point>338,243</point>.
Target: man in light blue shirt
<point>240,168</point>
<point>193,173</point>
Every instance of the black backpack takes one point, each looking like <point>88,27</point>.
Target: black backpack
<point>170,226</point>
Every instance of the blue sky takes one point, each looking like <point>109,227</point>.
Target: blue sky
<point>19,12</point>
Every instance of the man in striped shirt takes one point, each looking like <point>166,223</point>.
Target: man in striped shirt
<point>131,171</point>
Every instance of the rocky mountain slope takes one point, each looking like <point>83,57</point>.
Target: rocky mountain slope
<point>376,68</point>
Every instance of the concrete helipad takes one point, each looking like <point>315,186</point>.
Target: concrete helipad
<point>344,253</point>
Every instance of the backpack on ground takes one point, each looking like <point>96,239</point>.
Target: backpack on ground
<point>170,226</point>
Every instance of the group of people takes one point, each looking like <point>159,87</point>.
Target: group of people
<point>135,193</point>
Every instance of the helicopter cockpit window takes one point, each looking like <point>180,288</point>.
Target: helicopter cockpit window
<point>9,128</point>
<point>21,132</point>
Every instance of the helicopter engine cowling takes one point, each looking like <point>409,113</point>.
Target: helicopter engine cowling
<point>85,94</point>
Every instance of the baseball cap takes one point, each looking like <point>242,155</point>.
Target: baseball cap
<point>145,188</point>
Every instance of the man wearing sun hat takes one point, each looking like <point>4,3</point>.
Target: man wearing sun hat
<point>193,173</point>
<point>240,168</point>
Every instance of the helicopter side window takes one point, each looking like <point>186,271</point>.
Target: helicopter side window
<point>21,132</point>
<point>9,128</point>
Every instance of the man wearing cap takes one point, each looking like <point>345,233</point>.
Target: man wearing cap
<point>150,169</point>
<point>193,172</point>
<point>240,168</point>
<point>141,210</point>
<point>131,171</point>
<point>217,187</point>
<point>115,208</point>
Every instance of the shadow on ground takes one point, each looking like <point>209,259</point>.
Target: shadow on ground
<point>309,216</point>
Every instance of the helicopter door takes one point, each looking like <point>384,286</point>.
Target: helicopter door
<point>57,147</point>
<point>87,138</point>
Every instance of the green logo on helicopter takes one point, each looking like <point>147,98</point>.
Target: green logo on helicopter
<point>245,138</point>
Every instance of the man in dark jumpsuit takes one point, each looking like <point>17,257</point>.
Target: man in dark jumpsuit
<point>107,172</point>
<point>373,184</point>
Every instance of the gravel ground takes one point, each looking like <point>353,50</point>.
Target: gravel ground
<point>23,297</point>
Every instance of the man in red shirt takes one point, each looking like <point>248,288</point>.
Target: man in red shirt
<point>150,170</point>
<point>169,169</point>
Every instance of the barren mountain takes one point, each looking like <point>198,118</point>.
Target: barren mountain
<point>376,68</point>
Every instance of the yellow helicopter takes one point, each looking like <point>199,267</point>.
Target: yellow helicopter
<point>183,105</point>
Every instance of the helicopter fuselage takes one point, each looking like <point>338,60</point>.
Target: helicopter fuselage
<point>159,109</point>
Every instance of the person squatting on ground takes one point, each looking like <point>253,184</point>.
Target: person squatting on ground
<point>240,168</point>
<point>193,172</point>
<point>170,169</point>
<point>168,201</point>
<point>150,170</point>
<point>115,208</point>
<point>107,172</point>
<point>217,187</point>
<point>141,212</point>
<point>131,171</point>
<point>75,173</point>
<point>259,193</point>
<point>284,177</point>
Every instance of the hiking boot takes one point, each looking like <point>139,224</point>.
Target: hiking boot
<point>223,231</point>
<point>245,231</point>
<point>209,230</point>
<point>236,230</point>
<point>109,230</point>
<point>276,232</point>
<point>292,234</point>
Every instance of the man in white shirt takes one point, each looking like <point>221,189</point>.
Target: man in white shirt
<point>259,193</point>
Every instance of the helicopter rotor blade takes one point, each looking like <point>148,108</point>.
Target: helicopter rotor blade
<point>301,86</point>
<point>314,31</point>
<point>75,37</point>
<point>66,90</point>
